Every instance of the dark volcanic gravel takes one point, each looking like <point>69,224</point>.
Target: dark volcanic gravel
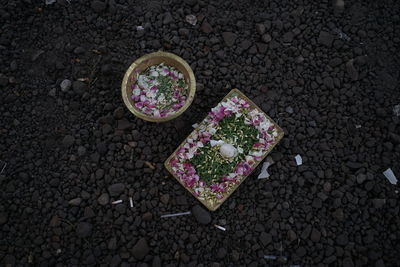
<point>328,75</point>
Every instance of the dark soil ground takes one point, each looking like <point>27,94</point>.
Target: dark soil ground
<point>330,78</point>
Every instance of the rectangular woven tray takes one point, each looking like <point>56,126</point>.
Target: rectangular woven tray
<point>213,204</point>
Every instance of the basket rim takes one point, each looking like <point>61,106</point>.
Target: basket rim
<point>137,62</point>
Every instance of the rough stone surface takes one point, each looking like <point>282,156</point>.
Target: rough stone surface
<point>84,229</point>
<point>229,38</point>
<point>202,216</point>
<point>325,38</point>
<point>69,146</point>
<point>116,189</point>
<point>141,249</point>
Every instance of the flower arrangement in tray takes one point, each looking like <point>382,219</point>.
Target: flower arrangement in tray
<point>159,91</point>
<point>224,149</point>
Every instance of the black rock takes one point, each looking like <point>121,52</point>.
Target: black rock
<point>9,260</point>
<point>3,80</point>
<point>202,216</point>
<point>325,38</point>
<point>102,148</point>
<point>119,113</point>
<point>328,82</point>
<point>395,138</point>
<point>36,55</point>
<point>124,124</point>
<point>79,87</point>
<point>75,202</point>
<point>297,90</point>
<point>315,235</point>
<point>265,238</point>
<point>68,141</point>
<point>116,189</point>
<point>229,38</point>
<point>79,50</point>
<point>206,27</point>
<point>103,199</point>
<point>221,253</point>
<point>354,165</point>
<point>245,44</point>
<point>260,28</point>
<point>288,37</point>
<point>168,18</point>
<point>351,70</point>
<point>361,177</point>
<point>191,2</point>
<point>141,249</point>
<point>89,213</point>
<point>342,240</point>
<point>266,38</point>
<point>164,198</point>
<point>3,218</point>
<point>156,262</point>
<point>84,229</point>
<point>348,262</point>
<point>112,243</point>
<point>98,6</point>
<point>378,202</point>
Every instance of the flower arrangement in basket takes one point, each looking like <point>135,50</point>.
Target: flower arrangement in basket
<point>224,149</point>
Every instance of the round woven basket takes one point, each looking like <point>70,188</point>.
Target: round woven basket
<point>143,63</point>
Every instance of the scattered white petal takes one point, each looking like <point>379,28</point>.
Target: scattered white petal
<point>191,19</point>
<point>116,202</point>
<point>390,176</point>
<point>396,110</point>
<point>264,170</point>
<point>131,202</point>
<point>176,214</point>
<point>299,160</point>
<point>49,2</point>
<point>154,73</point>
<point>220,227</point>
<point>139,28</point>
<point>270,257</point>
<point>358,126</point>
<point>216,142</point>
<point>195,125</point>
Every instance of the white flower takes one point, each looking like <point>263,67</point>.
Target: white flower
<point>142,98</point>
<point>156,113</point>
<point>212,130</point>
<point>150,94</point>
<point>216,143</point>
<point>249,158</point>
<point>257,153</point>
<point>228,151</point>
<point>136,92</point>
<point>142,81</point>
<point>190,153</point>
<point>154,73</point>
<point>200,144</point>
